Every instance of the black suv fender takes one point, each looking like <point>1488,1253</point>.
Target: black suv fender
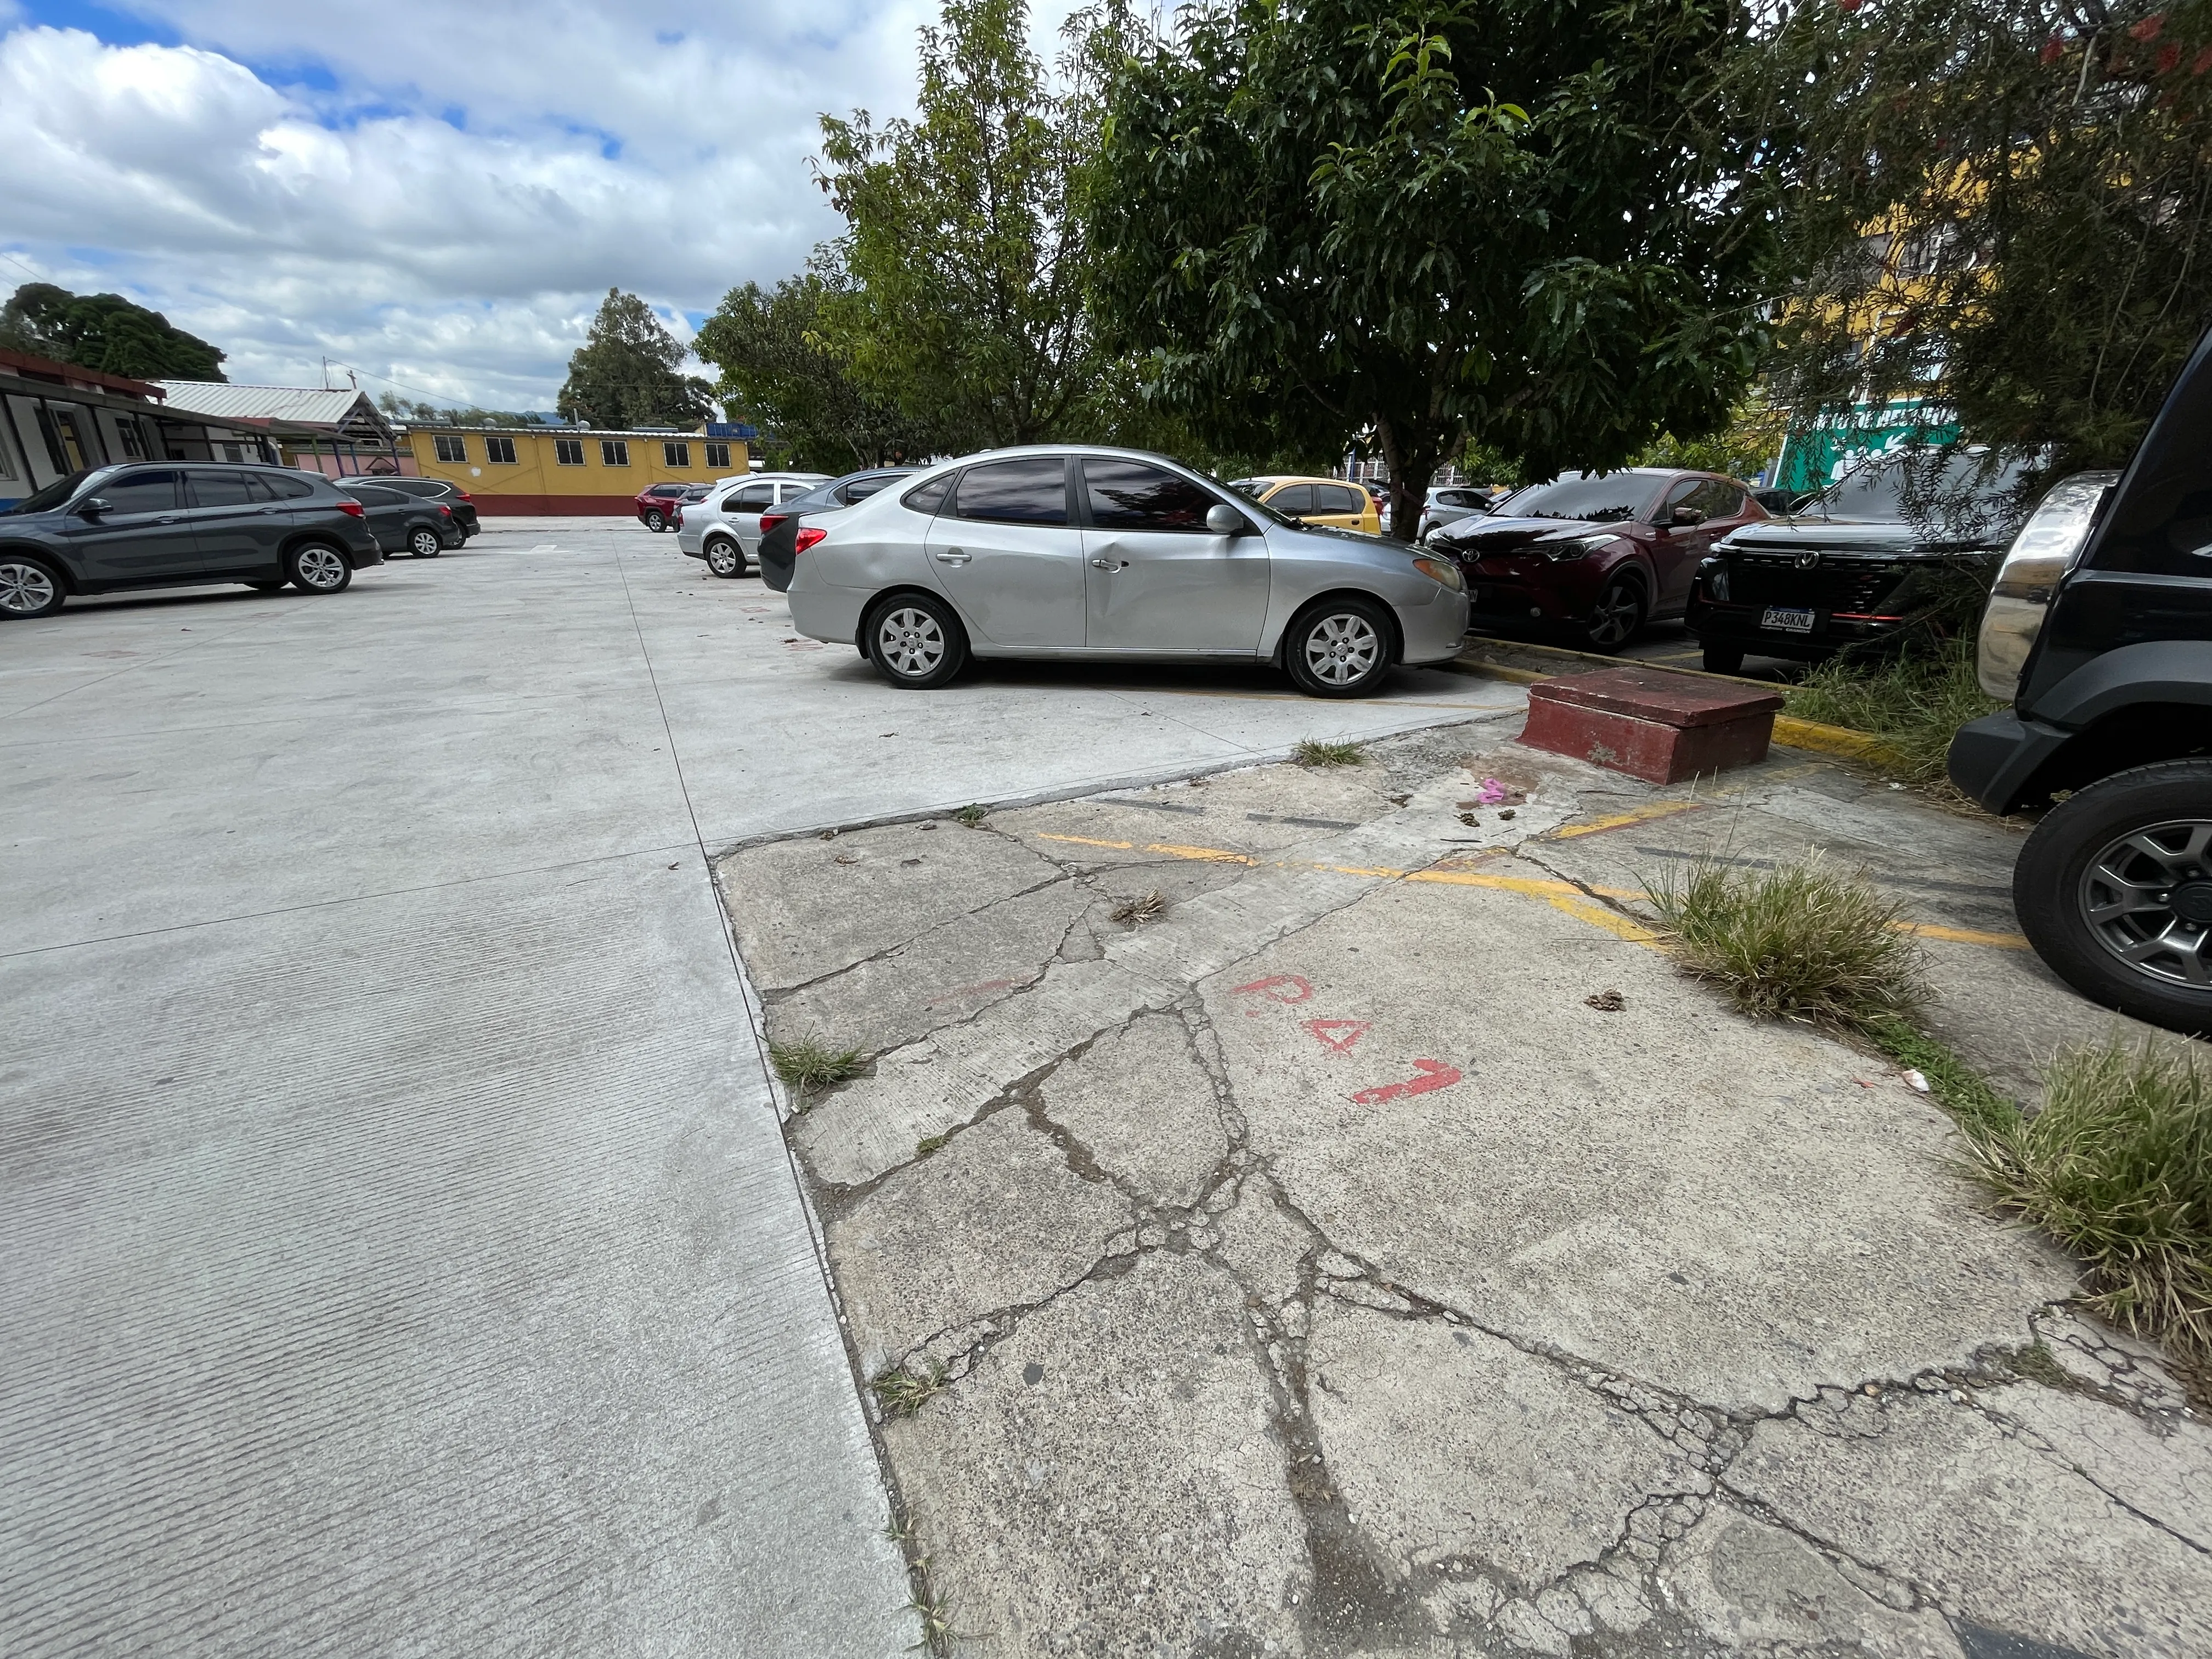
<point>2126,708</point>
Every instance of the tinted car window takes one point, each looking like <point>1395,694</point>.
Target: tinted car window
<point>46,499</point>
<point>1337,498</point>
<point>750,498</point>
<point>1131,495</point>
<point>929,498</point>
<point>373,496</point>
<point>1033,490</point>
<point>1955,494</point>
<point>670,490</point>
<point>217,488</point>
<point>861,488</point>
<point>1293,499</point>
<point>1717,500</point>
<point>286,489</point>
<point>142,492</point>
<point>1582,496</point>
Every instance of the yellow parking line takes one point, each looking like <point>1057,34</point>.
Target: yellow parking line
<point>1085,841</point>
<point>1208,854</point>
<point>1644,814</point>
<point>1964,935</point>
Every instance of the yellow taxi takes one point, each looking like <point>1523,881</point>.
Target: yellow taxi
<point>1315,500</point>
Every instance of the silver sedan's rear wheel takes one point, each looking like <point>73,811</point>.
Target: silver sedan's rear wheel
<point>725,558</point>
<point>1339,648</point>
<point>27,588</point>
<point>915,642</point>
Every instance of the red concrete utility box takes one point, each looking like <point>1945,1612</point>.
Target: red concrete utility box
<point>1650,724</point>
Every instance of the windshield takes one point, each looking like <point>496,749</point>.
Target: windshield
<point>1581,496</point>
<point>1963,494</point>
<point>46,499</point>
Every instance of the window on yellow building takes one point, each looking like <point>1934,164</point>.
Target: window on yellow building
<point>568,452</point>
<point>500,451</point>
<point>453,448</point>
<point>677,455</point>
<point>614,452</point>
<point>718,458</point>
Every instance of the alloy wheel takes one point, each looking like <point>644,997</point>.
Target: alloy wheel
<point>25,589</point>
<point>2146,898</point>
<point>1614,617</point>
<point>910,642</point>
<point>321,568</point>
<point>722,558</point>
<point>653,522</point>
<point>1342,649</point>
<point>426,544</point>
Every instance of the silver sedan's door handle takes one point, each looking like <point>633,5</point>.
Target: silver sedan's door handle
<point>167,518</point>
<point>953,555</point>
<point>1103,564</point>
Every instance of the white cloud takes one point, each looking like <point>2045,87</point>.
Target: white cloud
<point>439,194</point>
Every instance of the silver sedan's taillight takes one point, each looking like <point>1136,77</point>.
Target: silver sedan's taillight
<point>2044,551</point>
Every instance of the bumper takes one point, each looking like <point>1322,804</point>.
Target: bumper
<point>1740,624</point>
<point>1994,759</point>
<point>1435,632</point>
<point>828,614</point>
<point>361,559</point>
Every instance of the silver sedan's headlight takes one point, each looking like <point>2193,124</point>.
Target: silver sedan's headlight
<point>1441,570</point>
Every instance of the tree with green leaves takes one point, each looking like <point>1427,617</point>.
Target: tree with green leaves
<point>2005,209</point>
<point>969,256</point>
<point>781,374</point>
<point>628,372</point>
<point>104,331</point>
<point>1538,225</point>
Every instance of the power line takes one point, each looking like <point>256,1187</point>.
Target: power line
<point>20,266</point>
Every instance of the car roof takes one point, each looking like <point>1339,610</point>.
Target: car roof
<point>1302,477</point>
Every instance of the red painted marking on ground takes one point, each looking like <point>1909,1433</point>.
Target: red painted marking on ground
<point>1278,987</point>
<point>955,994</point>
<point>1435,1075</point>
<point>1337,1034</point>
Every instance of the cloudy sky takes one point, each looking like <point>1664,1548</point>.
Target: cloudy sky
<point>436,193</point>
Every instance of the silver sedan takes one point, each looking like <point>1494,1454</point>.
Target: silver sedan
<point>1091,553</point>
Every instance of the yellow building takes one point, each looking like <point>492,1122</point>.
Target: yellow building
<point>563,469</point>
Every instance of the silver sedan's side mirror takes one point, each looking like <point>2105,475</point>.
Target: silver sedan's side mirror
<point>1225,520</point>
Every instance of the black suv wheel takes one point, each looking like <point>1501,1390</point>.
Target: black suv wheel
<point>2114,889</point>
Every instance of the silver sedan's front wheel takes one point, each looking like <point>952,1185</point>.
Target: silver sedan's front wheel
<point>1340,648</point>
<point>27,588</point>
<point>916,642</point>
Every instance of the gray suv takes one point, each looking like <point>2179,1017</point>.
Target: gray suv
<point>177,525</point>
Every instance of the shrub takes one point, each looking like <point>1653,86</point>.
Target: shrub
<point>1915,703</point>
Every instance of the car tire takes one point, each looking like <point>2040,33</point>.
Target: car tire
<point>725,558</point>
<point>915,641</point>
<point>425,543</point>
<point>1722,658</point>
<point>318,568</point>
<point>1619,615</point>
<point>29,587</point>
<point>1339,647</point>
<point>2140,839</point>
<point>654,522</point>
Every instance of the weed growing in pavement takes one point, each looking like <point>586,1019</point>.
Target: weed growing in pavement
<point>1958,1088</point>
<point>930,1144</point>
<point>2117,1165</point>
<point>972,815</point>
<point>902,1392</point>
<point>1136,912</point>
<point>1312,751</point>
<point>934,1611</point>
<point>1793,943</point>
<point>808,1063</point>
<point>1915,705</point>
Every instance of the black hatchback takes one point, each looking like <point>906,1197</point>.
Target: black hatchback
<point>180,525</point>
<point>423,526</point>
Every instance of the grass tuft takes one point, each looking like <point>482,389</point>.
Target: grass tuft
<point>1793,943</point>
<point>972,815</point>
<point>929,1145</point>
<point>808,1063</point>
<point>902,1392</point>
<point>1915,705</point>
<point>2117,1166</point>
<point>1957,1087</point>
<point>1312,751</point>
<point>1136,912</point>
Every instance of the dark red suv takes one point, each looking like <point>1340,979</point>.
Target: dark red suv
<point>1595,554</point>
<point>656,505</point>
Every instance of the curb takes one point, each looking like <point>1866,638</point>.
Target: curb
<point>1789,730</point>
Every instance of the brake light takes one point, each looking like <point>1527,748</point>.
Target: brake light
<point>352,508</point>
<point>462,494</point>
<point>808,535</point>
<point>769,520</point>
<point>445,511</point>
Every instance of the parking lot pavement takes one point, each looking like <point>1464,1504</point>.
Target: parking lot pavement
<point>401,1254</point>
<point>1268,1234</point>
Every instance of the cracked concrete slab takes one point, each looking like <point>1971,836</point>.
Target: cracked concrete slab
<point>1263,1241</point>
<point>994,1220</point>
<point>2158,1465</point>
<point>1106,1480</point>
<point>1719,1209</point>
<point>1754,1588</point>
<point>1140,1103</point>
<point>1998,1533</point>
<point>1452,1445</point>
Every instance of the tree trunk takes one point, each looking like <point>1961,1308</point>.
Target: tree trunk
<point>1412,453</point>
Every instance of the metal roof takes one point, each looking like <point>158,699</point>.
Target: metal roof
<point>302,406</point>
